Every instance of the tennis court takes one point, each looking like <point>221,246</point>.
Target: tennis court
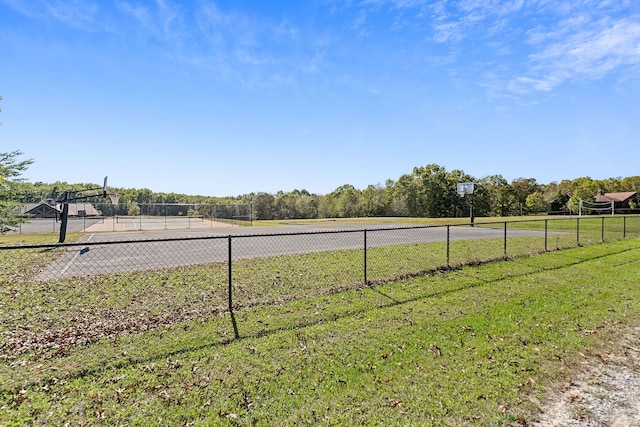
<point>155,223</point>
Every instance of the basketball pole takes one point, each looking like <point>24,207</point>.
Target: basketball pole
<point>472,210</point>
<point>64,215</point>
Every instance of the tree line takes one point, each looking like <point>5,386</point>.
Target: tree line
<point>431,191</point>
<point>428,191</point>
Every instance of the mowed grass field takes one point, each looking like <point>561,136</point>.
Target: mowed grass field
<point>481,344</point>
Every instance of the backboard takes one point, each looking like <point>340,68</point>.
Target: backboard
<point>465,188</point>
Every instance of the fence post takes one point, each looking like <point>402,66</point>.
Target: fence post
<point>365,257</point>
<point>505,240</point>
<point>546,233</point>
<point>448,234</point>
<point>578,231</point>
<point>230,292</point>
<point>603,229</point>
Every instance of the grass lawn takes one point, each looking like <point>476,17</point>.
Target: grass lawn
<point>474,345</point>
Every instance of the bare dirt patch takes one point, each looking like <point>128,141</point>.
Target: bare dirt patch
<point>605,392</point>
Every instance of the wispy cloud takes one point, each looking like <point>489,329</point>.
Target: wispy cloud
<point>560,41</point>
<point>27,8</point>
<point>518,47</point>
<point>227,28</point>
<point>81,14</point>
<point>591,52</point>
<point>162,20</point>
<point>256,49</point>
<point>78,13</point>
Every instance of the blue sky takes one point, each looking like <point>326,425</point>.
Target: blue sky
<point>223,98</point>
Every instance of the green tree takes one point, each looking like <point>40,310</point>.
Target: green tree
<point>133,209</point>
<point>521,189</point>
<point>373,201</point>
<point>10,170</point>
<point>585,189</point>
<point>307,204</point>
<point>631,183</point>
<point>285,203</point>
<point>346,201</point>
<point>536,203</point>
<point>432,191</point>
<point>497,195</point>
<point>405,196</point>
<point>263,206</point>
<point>395,206</point>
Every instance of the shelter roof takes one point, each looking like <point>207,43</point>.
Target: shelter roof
<point>616,197</point>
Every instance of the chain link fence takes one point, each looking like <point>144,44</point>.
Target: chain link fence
<point>58,295</point>
<point>139,216</point>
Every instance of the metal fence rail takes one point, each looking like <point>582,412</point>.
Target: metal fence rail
<point>166,281</point>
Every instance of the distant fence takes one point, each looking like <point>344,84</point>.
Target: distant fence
<point>144,216</point>
<point>205,210</point>
<point>226,274</point>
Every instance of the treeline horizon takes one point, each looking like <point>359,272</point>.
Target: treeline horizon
<point>428,191</point>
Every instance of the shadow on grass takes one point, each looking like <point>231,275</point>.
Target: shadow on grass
<point>295,322</point>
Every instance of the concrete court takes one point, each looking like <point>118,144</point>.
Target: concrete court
<point>170,248</point>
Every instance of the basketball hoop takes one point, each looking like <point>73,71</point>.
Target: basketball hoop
<point>465,188</point>
<point>114,198</point>
<point>74,196</point>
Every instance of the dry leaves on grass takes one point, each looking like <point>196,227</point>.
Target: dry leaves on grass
<point>53,328</point>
